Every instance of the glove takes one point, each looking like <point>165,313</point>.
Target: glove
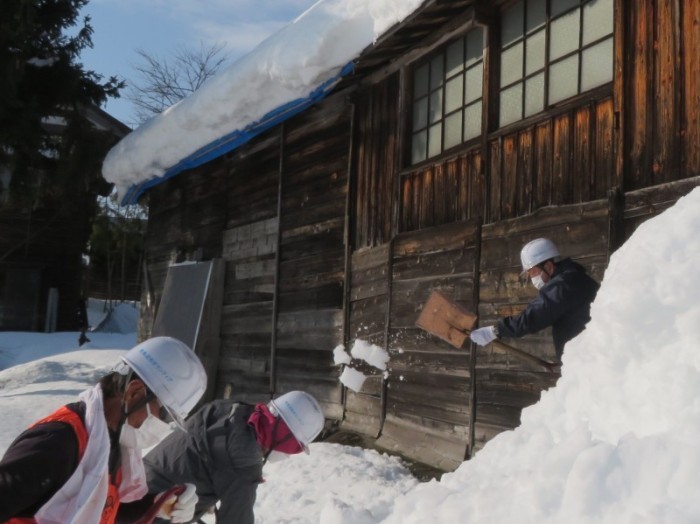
<point>180,508</point>
<point>483,336</point>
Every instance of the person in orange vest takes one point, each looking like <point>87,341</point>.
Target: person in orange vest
<point>79,464</point>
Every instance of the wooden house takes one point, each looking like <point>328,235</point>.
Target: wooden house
<point>41,246</point>
<point>466,130</point>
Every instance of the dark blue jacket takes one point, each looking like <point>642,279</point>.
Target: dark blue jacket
<point>563,303</point>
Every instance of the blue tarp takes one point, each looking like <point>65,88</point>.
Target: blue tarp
<point>237,138</point>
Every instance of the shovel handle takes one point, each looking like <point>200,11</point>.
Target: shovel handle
<point>524,355</point>
<point>552,367</point>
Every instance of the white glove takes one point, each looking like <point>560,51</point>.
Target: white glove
<point>483,336</point>
<point>180,508</point>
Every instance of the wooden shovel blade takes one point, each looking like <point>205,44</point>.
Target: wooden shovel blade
<point>446,319</point>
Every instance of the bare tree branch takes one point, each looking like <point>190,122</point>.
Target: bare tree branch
<point>161,82</point>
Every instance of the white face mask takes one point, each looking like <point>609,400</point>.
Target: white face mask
<point>537,281</point>
<point>151,432</point>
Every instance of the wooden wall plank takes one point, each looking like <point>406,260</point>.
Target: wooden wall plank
<point>639,95</point>
<point>477,184</point>
<point>525,174</point>
<point>690,131</point>
<point>543,165</point>
<point>495,180</point>
<point>605,178</point>
<point>561,161</point>
<point>583,183</point>
<point>415,439</point>
<point>666,116</point>
<point>509,180</point>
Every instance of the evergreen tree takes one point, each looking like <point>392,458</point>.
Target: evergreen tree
<point>42,83</point>
<point>116,245</point>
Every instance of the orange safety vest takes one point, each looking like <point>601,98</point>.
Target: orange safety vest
<point>68,416</point>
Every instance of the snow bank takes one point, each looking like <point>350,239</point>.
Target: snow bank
<point>21,347</point>
<point>616,441</point>
<point>334,484</point>
<point>32,390</point>
<point>123,318</point>
<point>287,66</point>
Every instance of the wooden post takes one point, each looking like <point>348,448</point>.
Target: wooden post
<point>472,349</point>
<point>348,242</point>
<point>275,292</point>
<point>616,220</point>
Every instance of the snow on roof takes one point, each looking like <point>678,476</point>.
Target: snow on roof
<point>283,75</point>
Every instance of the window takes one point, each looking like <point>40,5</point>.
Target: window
<point>552,50</point>
<point>447,92</point>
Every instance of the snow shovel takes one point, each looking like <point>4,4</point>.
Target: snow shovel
<point>160,501</point>
<point>453,323</point>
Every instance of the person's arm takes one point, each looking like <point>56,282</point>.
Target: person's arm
<point>237,490</point>
<point>541,312</point>
<point>34,467</point>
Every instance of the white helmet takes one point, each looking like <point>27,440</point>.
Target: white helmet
<point>172,371</point>
<point>537,251</point>
<point>302,414</point>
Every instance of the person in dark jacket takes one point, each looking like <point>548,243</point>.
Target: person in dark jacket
<point>224,449</point>
<point>563,302</point>
<point>82,463</point>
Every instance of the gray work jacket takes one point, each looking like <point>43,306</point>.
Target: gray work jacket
<point>219,454</point>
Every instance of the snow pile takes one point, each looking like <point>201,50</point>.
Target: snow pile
<point>616,441</point>
<point>334,484</point>
<point>287,66</point>
<point>123,318</point>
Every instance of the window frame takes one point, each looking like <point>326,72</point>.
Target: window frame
<point>545,70</point>
<point>428,59</point>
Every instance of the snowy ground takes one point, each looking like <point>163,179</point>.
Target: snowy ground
<point>616,441</point>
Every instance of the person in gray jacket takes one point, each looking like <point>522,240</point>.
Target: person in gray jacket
<point>225,446</point>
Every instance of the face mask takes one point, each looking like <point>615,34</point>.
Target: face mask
<point>538,282</point>
<point>151,432</point>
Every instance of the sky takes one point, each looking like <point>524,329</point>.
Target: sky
<point>615,441</point>
<point>159,27</point>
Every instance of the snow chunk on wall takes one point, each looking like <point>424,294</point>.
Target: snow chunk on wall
<point>370,353</point>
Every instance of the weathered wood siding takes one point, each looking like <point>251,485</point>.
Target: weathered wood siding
<point>312,221</point>
<point>185,222</point>
<point>447,191</point>
<point>377,161</point>
<point>662,100</point>
<point>428,395</point>
<point>249,249</point>
<point>564,159</point>
<point>370,274</point>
